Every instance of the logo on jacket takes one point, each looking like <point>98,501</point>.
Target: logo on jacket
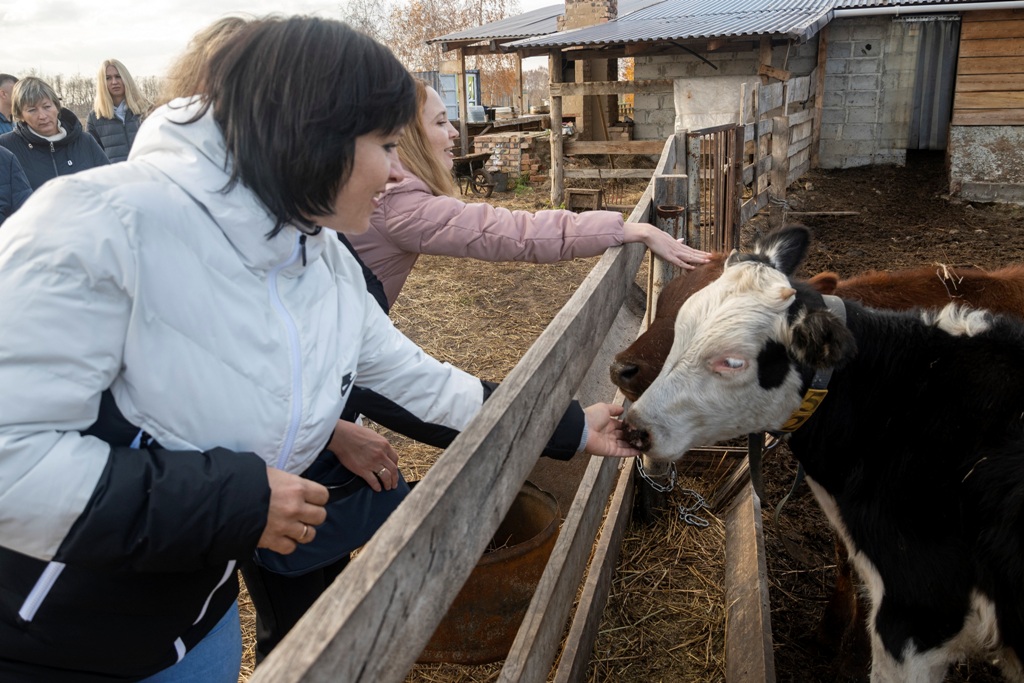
<point>346,382</point>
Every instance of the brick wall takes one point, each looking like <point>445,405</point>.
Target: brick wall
<point>517,153</point>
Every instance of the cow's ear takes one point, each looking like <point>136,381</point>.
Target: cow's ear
<point>821,340</point>
<point>825,283</point>
<point>785,248</point>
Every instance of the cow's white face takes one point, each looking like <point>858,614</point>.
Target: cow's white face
<point>729,372</point>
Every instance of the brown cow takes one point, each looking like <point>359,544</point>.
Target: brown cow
<point>1000,291</point>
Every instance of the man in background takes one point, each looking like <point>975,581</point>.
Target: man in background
<point>7,82</point>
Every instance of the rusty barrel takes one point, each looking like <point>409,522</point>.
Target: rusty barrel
<point>482,623</point>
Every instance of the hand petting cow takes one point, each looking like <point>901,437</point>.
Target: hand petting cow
<point>916,453</point>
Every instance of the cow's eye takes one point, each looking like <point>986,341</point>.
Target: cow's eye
<point>728,364</point>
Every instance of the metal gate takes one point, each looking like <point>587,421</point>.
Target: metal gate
<point>713,157</point>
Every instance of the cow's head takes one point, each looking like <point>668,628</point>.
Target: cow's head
<point>744,349</point>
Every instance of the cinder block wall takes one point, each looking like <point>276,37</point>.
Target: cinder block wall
<point>654,114</point>
<point>517,153</point>
<point>869,81</point>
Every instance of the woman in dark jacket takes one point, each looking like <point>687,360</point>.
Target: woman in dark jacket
<point>14,188</point>
<point>47,139</point>
<point>117,110</point>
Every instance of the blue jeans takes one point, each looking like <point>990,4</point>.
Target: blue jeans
<point>216,659</point>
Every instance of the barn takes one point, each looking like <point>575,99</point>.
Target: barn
<point>887,77</point>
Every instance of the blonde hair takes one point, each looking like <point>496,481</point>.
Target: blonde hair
<point>103,105</point>
<point>29,91</point>
<point>416,155</point>
<point>184,78</point>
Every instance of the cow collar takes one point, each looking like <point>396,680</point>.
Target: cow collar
<point>818,388</point>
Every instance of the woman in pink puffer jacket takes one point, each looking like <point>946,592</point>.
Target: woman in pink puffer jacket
<point>421,215</point>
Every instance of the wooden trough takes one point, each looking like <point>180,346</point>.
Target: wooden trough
<point>372,624</point>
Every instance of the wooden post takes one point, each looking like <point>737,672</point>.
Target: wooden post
<point>765,55</point>
<point>463,104</point>
<point>557,162</point>
<point>780,170</point>
<point>519,85</point>
<point>819,95</point>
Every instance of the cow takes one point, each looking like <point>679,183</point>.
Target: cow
<point>635,368</point>
<point>1000,291</point>
<point>915,453</point>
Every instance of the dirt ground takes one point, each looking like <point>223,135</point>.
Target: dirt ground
<point>484,316</point>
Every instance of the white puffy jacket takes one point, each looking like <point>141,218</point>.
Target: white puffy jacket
<point>147,279</point>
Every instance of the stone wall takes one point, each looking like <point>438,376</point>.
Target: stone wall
<point>517,154</point>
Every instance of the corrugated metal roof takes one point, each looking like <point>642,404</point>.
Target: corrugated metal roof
<point>538,22</point>
<point>679,20</point>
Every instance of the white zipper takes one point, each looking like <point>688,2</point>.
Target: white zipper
<point>40,590</point>
<point>296,356</point>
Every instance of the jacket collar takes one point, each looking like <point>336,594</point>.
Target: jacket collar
<point>68,121</point>
<point>193,156</point>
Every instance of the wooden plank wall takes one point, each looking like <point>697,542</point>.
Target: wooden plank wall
<point>990,70</point>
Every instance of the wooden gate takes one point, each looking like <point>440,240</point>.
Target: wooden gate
<point>712,165</point>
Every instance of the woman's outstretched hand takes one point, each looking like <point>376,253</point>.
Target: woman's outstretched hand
<point>605,435</point>
<point>665,246</point>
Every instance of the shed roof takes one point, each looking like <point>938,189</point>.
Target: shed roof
<point>680,20</point>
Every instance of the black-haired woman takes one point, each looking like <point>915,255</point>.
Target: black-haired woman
<point>182,335</point>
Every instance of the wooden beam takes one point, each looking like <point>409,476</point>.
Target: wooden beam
<point>983,82</point>
<point>614,147</point>
<point>989,100</point>
<point>988,117</point>
<point>773,72</point>
<point>600,173</point>
<point>557,153</point>
<point>819,95</point>
<point>579,643</point>
<point>749,657</point>
<point>765,56</point>
<point>612,87</point>
<point>1001,47</point>
<point>992,29</point>
<point>989,65</point>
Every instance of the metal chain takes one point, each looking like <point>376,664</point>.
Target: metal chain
<point>660,488</point>
<point>687,515</point>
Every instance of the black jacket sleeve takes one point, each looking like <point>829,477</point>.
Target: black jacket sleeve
<point>176,501</point>
<point>562,445</point>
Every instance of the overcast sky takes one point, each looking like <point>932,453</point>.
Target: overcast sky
<point>74,36</point>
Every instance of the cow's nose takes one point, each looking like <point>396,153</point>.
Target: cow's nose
<point>637,437</point>
<point>623,373</point>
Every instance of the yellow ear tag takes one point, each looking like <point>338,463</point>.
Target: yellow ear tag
<point>812,399</point>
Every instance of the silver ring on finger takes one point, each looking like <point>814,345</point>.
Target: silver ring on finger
<point>305,530</point>
<point>383,471</point>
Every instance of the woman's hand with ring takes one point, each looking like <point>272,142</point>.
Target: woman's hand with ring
<point>366,453</point>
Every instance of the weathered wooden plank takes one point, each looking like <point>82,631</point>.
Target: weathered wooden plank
<point>763,166</point>
<point>800,169</point>
<point>371,625</point>
<point>611,87</point>
<point>780,170</point>
<point>801,144</point>
<point>773,72</point>
<point>800,117</point>
<point>540,635</point>
<point>991,15</point>
<point>989,100</point>
<point>1000,47</point>
<point>798,89</point>
<point>609,172</point>
<point>748,636</point>
<point>819,94</point>
<point>579,643</point>
<point>758,130</point>
<point>989,65</point>
<point>984,30</point>
<point>557,143</point>
<point>614,147</point>
<point>982,82</point>
<point>750,207</point>
<point>989,117</point>
<point>769,98</point>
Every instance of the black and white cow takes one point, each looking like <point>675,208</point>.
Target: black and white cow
<point>916,454</point>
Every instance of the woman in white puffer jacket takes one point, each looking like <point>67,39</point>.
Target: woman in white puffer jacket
<point>179,339</point>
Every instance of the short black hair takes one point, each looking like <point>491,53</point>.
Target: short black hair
<point>291,96</point>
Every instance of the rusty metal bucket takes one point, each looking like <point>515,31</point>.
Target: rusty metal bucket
<point>482,623</point>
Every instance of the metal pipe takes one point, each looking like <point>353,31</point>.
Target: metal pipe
<point>926,9</point>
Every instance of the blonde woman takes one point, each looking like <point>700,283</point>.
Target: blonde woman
<point>421,215</point>
<point>117,110</point>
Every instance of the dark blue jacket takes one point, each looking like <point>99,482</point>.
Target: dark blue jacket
<point>14,187</point>
<point>114,135</point>
<point>42,160</point>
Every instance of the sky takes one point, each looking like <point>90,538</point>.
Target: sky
<point>73,36</point>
